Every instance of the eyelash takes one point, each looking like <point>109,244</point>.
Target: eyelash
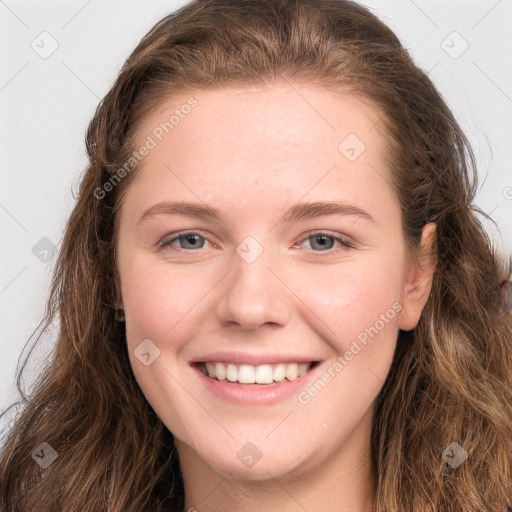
<point>345,243</point>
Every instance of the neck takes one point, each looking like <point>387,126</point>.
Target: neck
<point>343,482</point>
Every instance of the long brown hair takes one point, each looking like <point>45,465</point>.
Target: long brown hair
<point>451,377</point>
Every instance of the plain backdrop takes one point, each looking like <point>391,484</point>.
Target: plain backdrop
<point>59,58</point>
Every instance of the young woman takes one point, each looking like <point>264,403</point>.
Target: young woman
<point>273,291</point>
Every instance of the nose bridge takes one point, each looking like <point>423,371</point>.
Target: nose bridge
<point>252,295</point>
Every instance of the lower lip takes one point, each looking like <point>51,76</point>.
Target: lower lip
<point>253,394</point>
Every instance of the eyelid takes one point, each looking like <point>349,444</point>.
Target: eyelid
<point>324,232</point>
<point>179,234</point>
<point>343,240</point>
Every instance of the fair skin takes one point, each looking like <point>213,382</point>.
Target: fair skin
<point>252,153</point>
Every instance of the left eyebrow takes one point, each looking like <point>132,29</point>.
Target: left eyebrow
<point>296,212</point>
<point>318,208</point>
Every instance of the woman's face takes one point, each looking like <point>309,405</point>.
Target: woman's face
<point>302,268</point>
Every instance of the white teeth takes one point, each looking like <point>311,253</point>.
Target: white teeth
<point>292,372</point>
<point>279,372</point>
<point>220,370</point>
<point>246,374</point>
<point>232,373</point>
<point>210,369</point>
<point>261,374</point>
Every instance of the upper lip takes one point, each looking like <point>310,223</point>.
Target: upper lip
<point>252,359</point>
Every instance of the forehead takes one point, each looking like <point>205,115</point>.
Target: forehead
<point>284,116</point>
<point>235,144</point>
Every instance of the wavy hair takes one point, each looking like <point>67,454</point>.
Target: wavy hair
<point>451,377</point>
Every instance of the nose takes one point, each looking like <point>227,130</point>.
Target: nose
<point>253,295</point>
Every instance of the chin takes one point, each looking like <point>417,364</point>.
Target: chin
<point>252,461</point>
<point>274,464</point>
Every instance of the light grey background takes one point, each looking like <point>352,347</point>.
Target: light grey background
<point>47,101</point>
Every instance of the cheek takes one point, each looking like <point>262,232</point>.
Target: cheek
<point>351,296</point>
<point>339,299</point>
<point>156,299</point>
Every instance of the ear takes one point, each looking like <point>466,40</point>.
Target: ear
<point>418,279</point>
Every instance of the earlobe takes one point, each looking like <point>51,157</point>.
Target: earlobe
<point>418,280</point>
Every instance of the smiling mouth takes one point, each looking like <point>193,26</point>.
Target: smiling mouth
<point>260,374</point>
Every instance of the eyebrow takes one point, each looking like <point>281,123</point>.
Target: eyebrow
<point>296,212</point>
